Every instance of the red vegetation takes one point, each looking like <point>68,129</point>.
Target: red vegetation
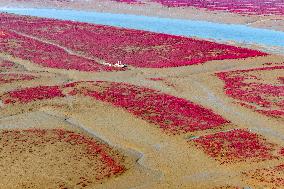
<point>35,93</point>
<point>256,7</point>
<point>11,77</point>
<point>95,153</point>
<point>255,90</point>
<point>156,79</point>
<point>164,81</point>
<point>94,148</point>
<point>226,187</point>
<point>270,177</point>
<point>273,64</point>
<point>6,66</point>
<point>235,145</point>
<point>130,1</point>
<point>281,79</point>
<point>168,112</point>
<point>131,47</point>
<point>281,152</point>
<point>45,54</point>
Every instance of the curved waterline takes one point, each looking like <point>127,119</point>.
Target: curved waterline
<point>240,34</point>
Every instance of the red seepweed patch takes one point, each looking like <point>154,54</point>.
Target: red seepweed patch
<point>235,146</point>
<point>251,7</point>
<point>94,160</point>
<point>156,79</point>
<point>272,177</point>
<point>94,148</point>
<point>8,66</point>
<point>226,187</point>
<point>252,89</point>
<point>12,77</point>
<point>46,55</point>
<point>164,81</point>
<point>172,114</point>
<point>281,152</point>
<point>31,94</point>
<point>130,1</point>
<point>131,47</point>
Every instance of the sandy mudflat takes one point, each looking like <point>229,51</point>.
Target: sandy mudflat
<point>131,148</point>
<point>168,161</point>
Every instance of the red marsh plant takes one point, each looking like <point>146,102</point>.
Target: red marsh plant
<point>94,148</point>
<point>130,1</point>
<point>251,7</point>
<point>162,80</point>
<point>172,114</point>
<point>226,187</point>
<point>74,157</point>
<point>281,152</point>
<point>27,95</point>
<point>271,177</point>
<point>12,77</point>
<point>131,47</point>
<point>235,146</point>
<point>6,66</point>
<point>252,88</point>
<point>281,79</point>
<point>45,54</point>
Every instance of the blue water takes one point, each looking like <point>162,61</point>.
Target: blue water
<point>190,28</point>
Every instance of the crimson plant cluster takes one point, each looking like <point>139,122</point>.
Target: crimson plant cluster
<point>170,113</point>
<point>108,44</point>
<point>250,7</point>
<point>255,92</point>
<point>44,54</point>
<point>21,140</point>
